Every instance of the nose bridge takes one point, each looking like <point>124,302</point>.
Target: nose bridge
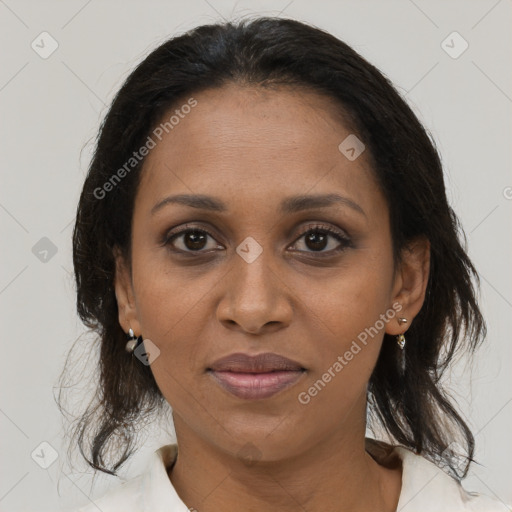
<point>252,276</point>
<point>253,294</point>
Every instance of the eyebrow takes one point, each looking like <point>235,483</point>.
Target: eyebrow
<point>289,205</point>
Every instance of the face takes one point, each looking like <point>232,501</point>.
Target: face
<point>251,269</point>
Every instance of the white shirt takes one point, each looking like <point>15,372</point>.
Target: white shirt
<point>425,488</point>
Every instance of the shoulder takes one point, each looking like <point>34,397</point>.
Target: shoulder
<point>427,488</point>
<point>149,491</point>
<point>126,497</point>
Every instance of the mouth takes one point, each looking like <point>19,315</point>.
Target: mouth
<point>255,377</point>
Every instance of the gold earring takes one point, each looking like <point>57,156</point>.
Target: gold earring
<point>400,339</point>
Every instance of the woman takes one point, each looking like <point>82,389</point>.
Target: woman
<point>266,220</point>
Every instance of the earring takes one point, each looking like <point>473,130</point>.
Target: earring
<point>133,341</point>
<point>400,339</point>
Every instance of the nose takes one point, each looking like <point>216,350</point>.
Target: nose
<point>255,299</point>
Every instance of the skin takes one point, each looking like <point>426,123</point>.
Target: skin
<point>251,148</point>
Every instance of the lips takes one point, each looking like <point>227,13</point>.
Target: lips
<point>255,377</point>
<point>261,363</point>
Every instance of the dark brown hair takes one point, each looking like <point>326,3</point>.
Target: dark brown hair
<point>410,404</point>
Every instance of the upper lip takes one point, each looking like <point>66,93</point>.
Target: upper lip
<point>260,363</point>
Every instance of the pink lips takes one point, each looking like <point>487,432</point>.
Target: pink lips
<point>255,377</point>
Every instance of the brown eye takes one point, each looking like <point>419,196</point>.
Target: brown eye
<point>194,240</point>
<point>318,239</point>
<point>191,240</point>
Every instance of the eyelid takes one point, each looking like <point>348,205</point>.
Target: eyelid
<point>336,232</point>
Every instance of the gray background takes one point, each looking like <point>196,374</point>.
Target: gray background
<point>51,108</point>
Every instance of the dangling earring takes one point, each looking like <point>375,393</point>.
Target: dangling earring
<point>400,339</point>
<point>133,341</point>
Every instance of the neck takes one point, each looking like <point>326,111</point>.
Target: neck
<point>334,474</point>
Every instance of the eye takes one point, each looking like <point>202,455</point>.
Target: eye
<point>316,239</point>
<point>191,240</point>
<point>319,238</point>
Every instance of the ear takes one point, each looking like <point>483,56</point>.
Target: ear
<point>410,283</point>
<point>124,294</point>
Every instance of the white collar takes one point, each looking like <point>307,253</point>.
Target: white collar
<point>425,487</point>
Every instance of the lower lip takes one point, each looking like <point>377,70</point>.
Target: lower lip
<point>254,386</point>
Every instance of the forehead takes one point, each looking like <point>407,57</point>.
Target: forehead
<point>250,143</point>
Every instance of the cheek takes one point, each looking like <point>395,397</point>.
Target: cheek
<point>349,300</point>
<point>169,297</point>
<point>173,305</point>
<point>350,309</point>
<point>345,357</point>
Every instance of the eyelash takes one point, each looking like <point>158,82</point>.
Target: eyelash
<point>343,239</point>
